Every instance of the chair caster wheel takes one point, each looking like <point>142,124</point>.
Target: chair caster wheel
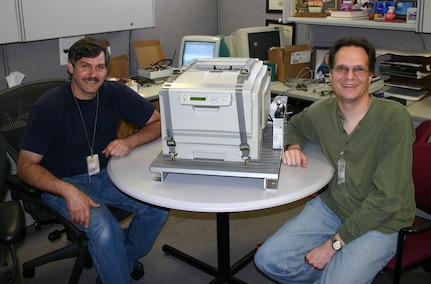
<point>29,273</point>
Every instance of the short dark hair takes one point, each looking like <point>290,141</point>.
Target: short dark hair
<point>88,47</point>
<point>353,41</point>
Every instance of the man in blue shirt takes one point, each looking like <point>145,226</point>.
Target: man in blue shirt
<point>70,136</point>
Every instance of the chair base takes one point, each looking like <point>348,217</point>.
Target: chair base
<point>8,273</point>
<point>78,250</point>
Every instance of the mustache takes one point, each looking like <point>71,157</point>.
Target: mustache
<point>92,79</point>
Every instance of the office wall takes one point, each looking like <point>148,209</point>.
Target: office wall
<point>175,18</point>
<point>40,59</point>
<point>245,13</point>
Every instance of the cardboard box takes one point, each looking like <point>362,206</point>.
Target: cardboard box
<point>148,52</point>
<point>291,61</point>
<point>119,67</point>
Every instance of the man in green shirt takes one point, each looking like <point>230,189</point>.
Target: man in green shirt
<point>349,232</point>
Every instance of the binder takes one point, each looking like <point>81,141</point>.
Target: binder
<point>403,72</point>
<point>409,72</point>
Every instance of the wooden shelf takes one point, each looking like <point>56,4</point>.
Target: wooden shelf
<point>381,25</point>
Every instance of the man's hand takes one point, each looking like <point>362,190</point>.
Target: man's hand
<point>78,204</point>
<point>149,132</point>
<point>117,148</point>
<point>294,156</point>
<point>320,256</point>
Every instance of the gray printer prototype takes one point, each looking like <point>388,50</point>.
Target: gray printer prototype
<point>216,109</point>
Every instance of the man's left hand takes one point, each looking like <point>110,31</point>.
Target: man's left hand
<point>117,148</point>
<point>320,256</point>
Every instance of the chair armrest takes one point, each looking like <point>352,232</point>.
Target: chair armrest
<point>17,184</point>
<point>11,222</point>
<point>424,226</point>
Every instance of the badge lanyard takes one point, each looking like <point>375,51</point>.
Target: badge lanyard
<point>93,165</point>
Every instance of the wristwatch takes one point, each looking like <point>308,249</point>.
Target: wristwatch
<point>336,244</point>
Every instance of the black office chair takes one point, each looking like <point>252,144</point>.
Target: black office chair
<point>11,229</point>
<point>15,104</point>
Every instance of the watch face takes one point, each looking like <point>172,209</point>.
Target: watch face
<point>336,245</point>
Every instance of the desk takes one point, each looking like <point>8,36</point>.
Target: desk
<point>419,110</point>
<point>221,195</point>
<point>150,92</point>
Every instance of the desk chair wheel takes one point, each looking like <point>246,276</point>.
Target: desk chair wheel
<point>138,270</point>
<point>55,235</point>
<point>37,226</point>
<point>137,273</point>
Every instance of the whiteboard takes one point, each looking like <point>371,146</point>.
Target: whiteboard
<point>47,19</point>
<point>8,22</point>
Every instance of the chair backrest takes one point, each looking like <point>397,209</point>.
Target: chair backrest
<point>422,166</point>
<point>15,104</point>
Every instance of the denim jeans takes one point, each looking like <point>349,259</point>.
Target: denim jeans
<point>282,256</point>
<point>113,251</point>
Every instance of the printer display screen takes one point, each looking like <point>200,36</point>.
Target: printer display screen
<point>198,99</point>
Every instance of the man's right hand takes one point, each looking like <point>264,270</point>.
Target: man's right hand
<point>78,204</point>
<point>294,156</point>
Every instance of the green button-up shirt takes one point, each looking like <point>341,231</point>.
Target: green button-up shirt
<point>378,193</point>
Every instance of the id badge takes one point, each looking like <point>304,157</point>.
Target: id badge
<point>93,165</point>
<point>341,171</point>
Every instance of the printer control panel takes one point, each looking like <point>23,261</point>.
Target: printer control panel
<point>206,99</point>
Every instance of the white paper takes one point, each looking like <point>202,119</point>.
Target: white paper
<point>63,47</point>
<point>14,78</point>
<point>406,94</point>
<point>299,57</point>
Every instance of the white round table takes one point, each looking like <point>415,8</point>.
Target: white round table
<point>222,195</point>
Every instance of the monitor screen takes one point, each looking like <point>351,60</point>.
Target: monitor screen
<point>401,8</point>
<point>260,42</point>
<point>200,46</point>
<point>254,42</point>
<point>197,49</point>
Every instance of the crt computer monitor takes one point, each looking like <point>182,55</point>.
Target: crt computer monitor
<point>254,42</point>
<point>199,46</point>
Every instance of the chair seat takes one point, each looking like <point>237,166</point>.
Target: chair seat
<point>417,249</point>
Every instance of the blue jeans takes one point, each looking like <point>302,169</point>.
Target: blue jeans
<point>113,251</point>
<point>282,256</point>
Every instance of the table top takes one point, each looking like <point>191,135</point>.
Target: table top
<point>203,193</point>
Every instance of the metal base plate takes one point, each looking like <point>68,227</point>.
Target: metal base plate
<point>267,167</point>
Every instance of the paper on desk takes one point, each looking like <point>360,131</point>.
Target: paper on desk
<point>404,53</point>
<point>14,78</point>
<point>406,94</point>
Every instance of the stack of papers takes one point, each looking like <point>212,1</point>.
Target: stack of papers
<point>349,15</point>
<point>402,93</point>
